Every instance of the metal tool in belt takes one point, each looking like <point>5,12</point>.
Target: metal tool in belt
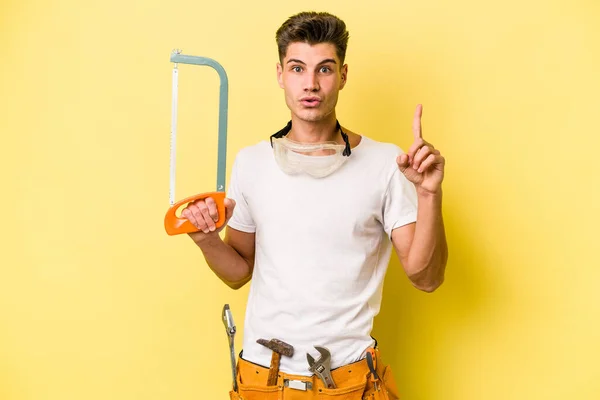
<point>227,318</point>
<point>322,366</point>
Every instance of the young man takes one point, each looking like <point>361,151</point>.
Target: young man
<point>312,217</point>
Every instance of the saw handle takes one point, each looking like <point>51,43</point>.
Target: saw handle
<point>175,225</point>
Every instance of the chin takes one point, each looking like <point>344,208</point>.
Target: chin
<point>311,115</point>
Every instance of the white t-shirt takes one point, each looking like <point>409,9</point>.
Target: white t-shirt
<point>322,250</point>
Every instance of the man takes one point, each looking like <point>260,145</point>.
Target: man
<point>312,217</point>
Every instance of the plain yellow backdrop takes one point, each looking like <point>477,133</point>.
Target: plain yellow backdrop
<point>97,302</point>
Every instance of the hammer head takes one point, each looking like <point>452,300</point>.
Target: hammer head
<point>278,346</point>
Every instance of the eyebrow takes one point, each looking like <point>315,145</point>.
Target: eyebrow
<point>326,61</point>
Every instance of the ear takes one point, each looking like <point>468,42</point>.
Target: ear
<point>344,76</point>
<point>279,73</point>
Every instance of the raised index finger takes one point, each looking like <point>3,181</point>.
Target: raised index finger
<point>417,122</point>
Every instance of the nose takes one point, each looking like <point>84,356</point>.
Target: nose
<point>311,83</point>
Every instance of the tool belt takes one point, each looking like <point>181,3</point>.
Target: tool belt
<point>356,381</point>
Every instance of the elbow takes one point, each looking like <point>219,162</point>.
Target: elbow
<point>235,285</point>
<point>430,286</point>
<point>238,279</point>
<point>429,279</point>
<point>426,281</point>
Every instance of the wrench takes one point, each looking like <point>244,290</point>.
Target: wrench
<point>322,366</point>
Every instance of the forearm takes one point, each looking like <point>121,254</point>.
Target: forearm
<point>225,261</point>
<point>428,252</point>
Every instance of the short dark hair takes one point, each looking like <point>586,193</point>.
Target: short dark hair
<point>313,27</point>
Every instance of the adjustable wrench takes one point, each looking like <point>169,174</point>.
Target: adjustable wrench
<point>322,366</point>
<point>230,328</point>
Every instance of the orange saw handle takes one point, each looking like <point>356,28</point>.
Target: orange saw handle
<point>175,225</point>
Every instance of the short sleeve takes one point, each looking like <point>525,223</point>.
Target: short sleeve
<point>241,219</point>
<point>399,203</point>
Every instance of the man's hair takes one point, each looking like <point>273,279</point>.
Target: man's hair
<point>313,28</point>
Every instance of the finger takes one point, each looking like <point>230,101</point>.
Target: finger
<point>422,154</point>
<point>205,215</point>
<point>417,122</point>
<point>197,218</point>
<point>196,209</point>
<point>430,161</point>
<point>200,212</point>
<point>212,209</point>
<point>414,148</point>
<point>427,163</point>
<point>403,162</point>
<point>229,206</point>
<point>188,214</point>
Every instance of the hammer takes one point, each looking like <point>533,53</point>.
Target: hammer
<point>278,347</point>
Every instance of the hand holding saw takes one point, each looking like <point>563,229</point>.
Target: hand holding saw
<point>175,225</point>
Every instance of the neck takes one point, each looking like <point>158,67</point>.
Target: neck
<point>315,131</point>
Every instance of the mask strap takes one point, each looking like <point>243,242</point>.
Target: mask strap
<point>288,128</point>
<point>347,150</point>
<point>281,133</point>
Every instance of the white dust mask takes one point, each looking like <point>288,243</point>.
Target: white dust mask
<point>315,159</point>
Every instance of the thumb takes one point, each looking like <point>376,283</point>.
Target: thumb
<point>403,162</point>
<point>229,206</point>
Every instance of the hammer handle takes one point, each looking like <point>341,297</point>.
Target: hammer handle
<point>274,370</point>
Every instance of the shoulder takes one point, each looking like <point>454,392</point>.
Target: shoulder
<point>376,147</point>
<point>253,152</point>
<point>377,154</point>
<point>364,143</point>
<point>249,165</point>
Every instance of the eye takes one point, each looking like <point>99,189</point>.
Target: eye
<point>325,70</point>
<point>297,68</point>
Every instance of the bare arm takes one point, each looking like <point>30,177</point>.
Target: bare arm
<point>421,247</point>
<point>231,259</point>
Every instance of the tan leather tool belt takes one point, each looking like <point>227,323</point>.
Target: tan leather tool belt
<point>353,382</point>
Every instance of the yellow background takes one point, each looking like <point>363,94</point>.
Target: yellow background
<point>97,302</point>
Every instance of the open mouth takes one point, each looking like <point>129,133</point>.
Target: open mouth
<point>310,102</point>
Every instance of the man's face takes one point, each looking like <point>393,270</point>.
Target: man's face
<point>311,78</point>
